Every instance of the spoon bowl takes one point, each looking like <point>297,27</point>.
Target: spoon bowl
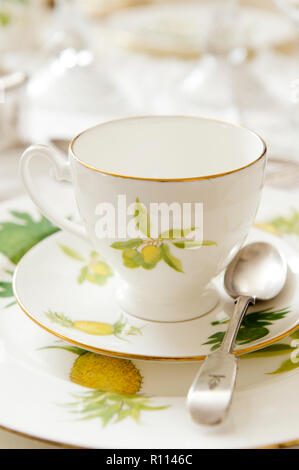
<point>258,270</point>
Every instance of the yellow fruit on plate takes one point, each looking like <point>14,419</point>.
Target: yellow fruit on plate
<point>94,327</point>
<point>108,374</point>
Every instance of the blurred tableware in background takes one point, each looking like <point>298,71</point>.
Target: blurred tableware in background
<point>22,27</point>
<point>172,61</point>
<point>71,88</point>
<point>291,9</point>
<point>91,61</point>
<point>179,29</point>
<point>10,86</point>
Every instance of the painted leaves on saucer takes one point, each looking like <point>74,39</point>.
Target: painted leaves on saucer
<point>94,270</point>
<point>146,252</point>
<point>282,225</point>
<point>253,327</point>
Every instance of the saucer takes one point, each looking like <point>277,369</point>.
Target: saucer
<point>69,290</point>
<point>61,402</point>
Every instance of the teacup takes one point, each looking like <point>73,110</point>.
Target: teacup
<point>138,166</point>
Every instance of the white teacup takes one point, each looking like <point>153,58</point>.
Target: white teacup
<point>211,165</point>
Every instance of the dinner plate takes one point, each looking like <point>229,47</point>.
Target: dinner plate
<point>68,289</point>
<point>47,391</point>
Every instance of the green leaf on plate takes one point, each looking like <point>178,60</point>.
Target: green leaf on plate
<point>71,253</point>
<point>132,243</point>
<point>295,335</point>
<point>10,304</point>
<point>6,289</point>
<point>16,238</point>
<point>277,349</point>
<point>285,366</point>
<point>171,260</point>
<point>72,349</point>
<point>111,407</point>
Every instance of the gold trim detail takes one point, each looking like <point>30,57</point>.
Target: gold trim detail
<point>280,445</point>
<point>170,180</point>
<point>39,439</point>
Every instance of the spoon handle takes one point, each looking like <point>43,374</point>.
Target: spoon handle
<point>210,395</point>
<point>241,307</point>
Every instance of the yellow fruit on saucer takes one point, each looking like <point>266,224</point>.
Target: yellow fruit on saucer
<point>108,374</point>
<point>101,268</point>
<point>94,327</point>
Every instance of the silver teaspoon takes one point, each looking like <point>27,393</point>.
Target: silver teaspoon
<point>258,272</point>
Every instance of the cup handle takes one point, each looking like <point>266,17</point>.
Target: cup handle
<point>62,172</point>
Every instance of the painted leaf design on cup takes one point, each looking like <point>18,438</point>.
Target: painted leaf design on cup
<point>94,270</point>
<point>133,243</point>
<point>132,258</point>
<point>146,252</point>
<point>169,259</point>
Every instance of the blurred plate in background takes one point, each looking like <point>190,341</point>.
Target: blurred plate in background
<point>179,29</point>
